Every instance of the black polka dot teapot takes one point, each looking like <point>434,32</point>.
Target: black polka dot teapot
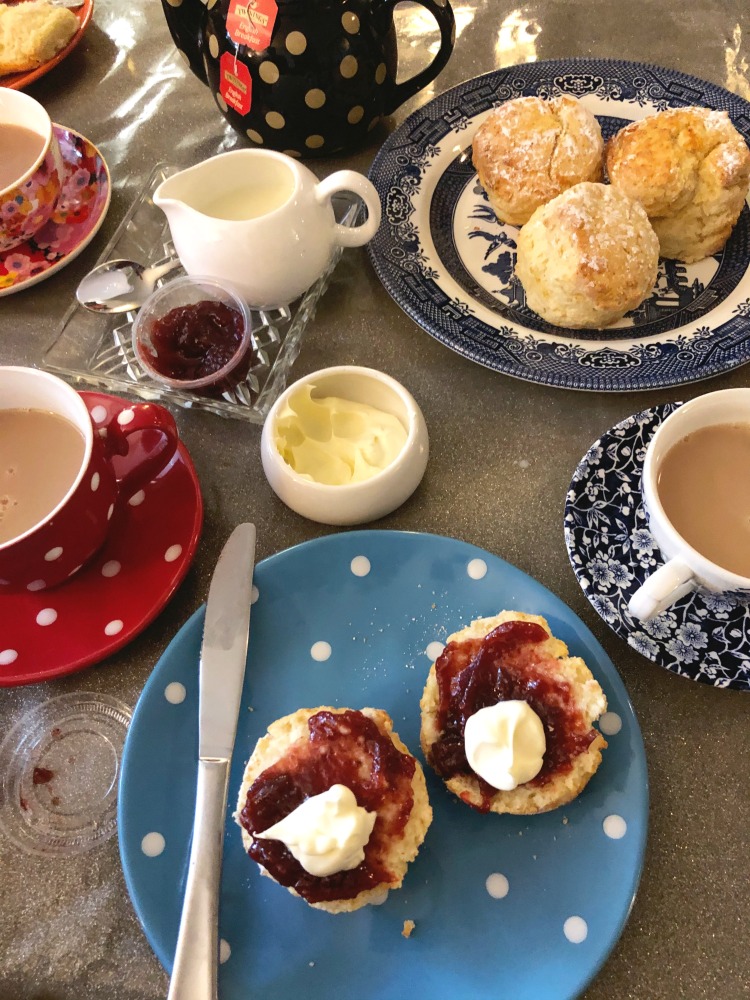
<point>307,77</point>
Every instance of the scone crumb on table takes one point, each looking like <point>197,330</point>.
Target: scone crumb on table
<point>408,928</point>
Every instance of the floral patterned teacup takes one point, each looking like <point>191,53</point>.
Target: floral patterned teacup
<point>144,439</point>
<point>29,200</point>
<point>686,569</point>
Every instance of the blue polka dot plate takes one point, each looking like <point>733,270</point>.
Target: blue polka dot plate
<point>522,907</point>
<point>702,636</point>
<point>449,264</point>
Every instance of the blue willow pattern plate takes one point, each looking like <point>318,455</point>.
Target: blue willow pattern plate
<point>504,906</point>
<point>703,636</point>
<point>449,264</point>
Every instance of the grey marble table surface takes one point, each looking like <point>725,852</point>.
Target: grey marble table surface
<point>502,455</point>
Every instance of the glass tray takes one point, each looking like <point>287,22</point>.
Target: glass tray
<point>96,350</point>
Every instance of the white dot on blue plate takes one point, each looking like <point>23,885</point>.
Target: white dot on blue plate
<point>254,594</point>
<point>610,723</point>
<point>153,844</point>
<point>497,885</point>
<point>434,649</point>
<point>615,826</point>
<point>378,898</point>
<point>320,651</point>
<point>8,656</point>
<point>476,569</point>
<point>360,565</point>
<point>224,951</point>
<point>576,930</point>
<point>175,693</point>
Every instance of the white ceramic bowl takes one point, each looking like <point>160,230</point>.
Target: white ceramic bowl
<point>353,503</point>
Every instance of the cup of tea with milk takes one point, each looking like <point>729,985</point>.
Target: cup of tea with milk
<point>262,221</point>
<point>31,168</point>
<point>696,491</point>
<point>62,480</point>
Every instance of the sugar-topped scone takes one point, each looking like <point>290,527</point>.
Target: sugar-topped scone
<point>587,257</point>
<point>527,151</point>
<point>333,806</point>
<point>690,169</point>
<point>504,699</point>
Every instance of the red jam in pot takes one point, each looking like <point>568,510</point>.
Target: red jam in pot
<point>194,341</point>
<point>343,748</point>
<point>505,665</point>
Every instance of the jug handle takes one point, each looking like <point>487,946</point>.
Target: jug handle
<point>441,11</point>
<point>351,181</point>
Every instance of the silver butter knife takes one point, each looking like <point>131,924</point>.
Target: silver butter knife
<point>222,671</point>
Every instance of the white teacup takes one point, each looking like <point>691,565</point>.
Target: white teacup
<point>686,568</point>
<point>261,221</point>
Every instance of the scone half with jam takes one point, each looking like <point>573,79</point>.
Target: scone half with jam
<point>507,716</point>
<point>333,806</point>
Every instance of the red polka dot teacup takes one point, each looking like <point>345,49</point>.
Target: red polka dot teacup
<point>59,486</point>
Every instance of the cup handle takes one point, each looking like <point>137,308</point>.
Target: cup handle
<point>441,11</point>
<point>145,437</point>
<point>351,181</point>
<point>668,584</point>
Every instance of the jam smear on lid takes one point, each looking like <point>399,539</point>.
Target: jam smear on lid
<point>506,664</point>
<point>344,748</point>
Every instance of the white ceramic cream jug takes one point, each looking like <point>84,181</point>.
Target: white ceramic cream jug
<point>262,221</point>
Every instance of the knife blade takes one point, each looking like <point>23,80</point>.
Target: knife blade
<point>222,673</point>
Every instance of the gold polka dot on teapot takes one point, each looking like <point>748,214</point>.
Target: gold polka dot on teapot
<point>307,77</point>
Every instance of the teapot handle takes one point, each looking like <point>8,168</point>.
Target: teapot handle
<point>441,11</point>
<point>351,181</point>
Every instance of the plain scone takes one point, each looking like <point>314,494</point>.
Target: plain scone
<point>591,702</point>
<point>587,257</point>
<point>690,169</point>
<point>528,151</point>
<point>280,736</point>
<point>33,32</point>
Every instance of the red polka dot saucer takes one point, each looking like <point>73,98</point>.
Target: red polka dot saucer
<point>50,633</point>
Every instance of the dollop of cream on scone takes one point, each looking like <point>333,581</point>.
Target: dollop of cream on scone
<point>513,656</point>
<point>300,763</point>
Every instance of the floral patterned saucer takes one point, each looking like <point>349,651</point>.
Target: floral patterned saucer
<point>80,213</point>
<point>612,552</point>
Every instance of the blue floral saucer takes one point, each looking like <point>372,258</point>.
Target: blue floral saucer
<point>612,552</point>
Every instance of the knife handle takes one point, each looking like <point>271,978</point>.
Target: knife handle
<point>197,953</point>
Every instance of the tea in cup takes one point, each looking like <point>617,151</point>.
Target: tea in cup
<point>261,221</point>
<point>59,490</point>
<point>696,491</point>
<point>31,168</point>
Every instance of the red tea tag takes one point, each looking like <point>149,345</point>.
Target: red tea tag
<point>235,85</point>
<point>250,22</point>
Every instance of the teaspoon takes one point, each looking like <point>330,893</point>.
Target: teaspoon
<point>118,286</point>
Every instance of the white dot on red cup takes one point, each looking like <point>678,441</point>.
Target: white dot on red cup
<point>47,616</point>
<point>113,627</point>
<point>53,554</point>
<point>8,656</point>
<point>95,480</point>
<point>153,844</point>
<point>98,414</point>
<point>137,498</point>
<point>172,553</point>
<point>111,568</point>
<point>125,417</point>
<point>110,512</point>
<point>36,585</point>
<point>102,432</point>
